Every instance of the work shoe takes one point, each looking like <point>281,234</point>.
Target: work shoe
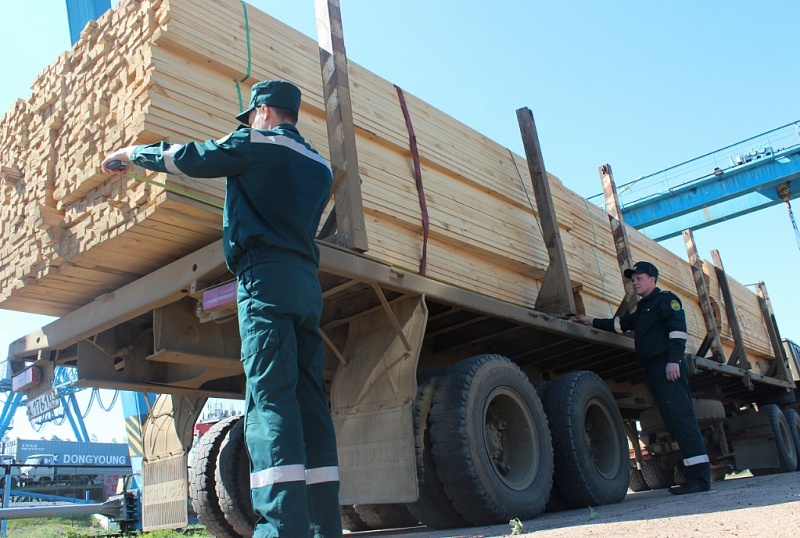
<point>688,488</point>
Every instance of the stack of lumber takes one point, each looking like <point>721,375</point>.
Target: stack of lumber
<point>178,70</point>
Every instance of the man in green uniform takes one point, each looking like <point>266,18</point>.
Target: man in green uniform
<point>660,339</point>
<point>276,190</point>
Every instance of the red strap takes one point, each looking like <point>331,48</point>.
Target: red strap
<point>423,206</point>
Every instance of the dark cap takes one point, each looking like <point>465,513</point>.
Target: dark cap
<point>277,93</point>
<point>642,267</point>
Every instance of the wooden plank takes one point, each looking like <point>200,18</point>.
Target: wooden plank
<point>176,61</point>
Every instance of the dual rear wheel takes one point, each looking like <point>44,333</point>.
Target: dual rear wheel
<point>486,454</point>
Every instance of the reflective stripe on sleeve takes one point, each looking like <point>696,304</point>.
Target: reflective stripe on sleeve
<point>322,474</point>
<point>280,140</point>
<point>276,475</point>
<point>679,335</point>
<point>696,459</point>
<point>617,326</point>
<point>169,159</point>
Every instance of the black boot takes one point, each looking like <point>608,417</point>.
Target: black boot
<point>697,478</point>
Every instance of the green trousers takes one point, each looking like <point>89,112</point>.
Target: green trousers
<point>288,428</point>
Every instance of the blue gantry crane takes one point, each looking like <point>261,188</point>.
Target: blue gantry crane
<point>753,174</point>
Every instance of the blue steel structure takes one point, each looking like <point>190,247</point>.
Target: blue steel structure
<point>79,12</point>
<point>738,179</point>
<point>64,383</point>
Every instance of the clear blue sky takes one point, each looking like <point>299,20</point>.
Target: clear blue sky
<point>639,85</point>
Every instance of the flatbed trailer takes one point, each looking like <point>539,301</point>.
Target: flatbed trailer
<point>386,328</point>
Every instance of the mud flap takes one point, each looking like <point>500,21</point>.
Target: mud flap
<point>372,400</point>
<point>165,494</point>
<point>751,441</point>
<point>167,437</point>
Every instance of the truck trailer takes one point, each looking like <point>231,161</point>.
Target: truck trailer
<point>461,391</point>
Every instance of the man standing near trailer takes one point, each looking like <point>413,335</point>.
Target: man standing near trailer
<point>276,190</point>
<point>660,325</point>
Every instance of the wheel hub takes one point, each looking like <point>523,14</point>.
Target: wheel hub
<point>494,441</point>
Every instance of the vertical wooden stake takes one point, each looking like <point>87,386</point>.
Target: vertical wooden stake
<point>555,295</point>
<point>620,234</point>
<point>738,355</point>
<point>711,340</point>
<point>351,231</point>
<point>778,367</point>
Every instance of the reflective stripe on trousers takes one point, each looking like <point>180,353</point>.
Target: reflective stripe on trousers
<point>293,473</point>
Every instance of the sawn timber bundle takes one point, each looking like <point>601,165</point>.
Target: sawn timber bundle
<point>178,70</point>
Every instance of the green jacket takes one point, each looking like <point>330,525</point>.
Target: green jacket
<point>660,325</point>
<point>277,188</point>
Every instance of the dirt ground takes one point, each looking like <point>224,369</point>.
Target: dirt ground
<point>767,506</point>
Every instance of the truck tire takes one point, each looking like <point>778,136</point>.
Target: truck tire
<point>590,446</point>
<point>793,421</point>
<point>705,411</point>
<point>784,444</point>
<point>637,482</point>
<point>541,388</point>
<point>433,508</point>
<point>351,521</point>
<point>656,475</point>
<point>491,443</point>
<point>556,502</point>
<point>233,482</point>
<point>202,487</point>
<point>385,516</point>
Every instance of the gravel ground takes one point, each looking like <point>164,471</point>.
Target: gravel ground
<point>767,506</point>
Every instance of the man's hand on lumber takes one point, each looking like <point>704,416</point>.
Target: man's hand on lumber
<point>583,319</point>
<point>122,155</point>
